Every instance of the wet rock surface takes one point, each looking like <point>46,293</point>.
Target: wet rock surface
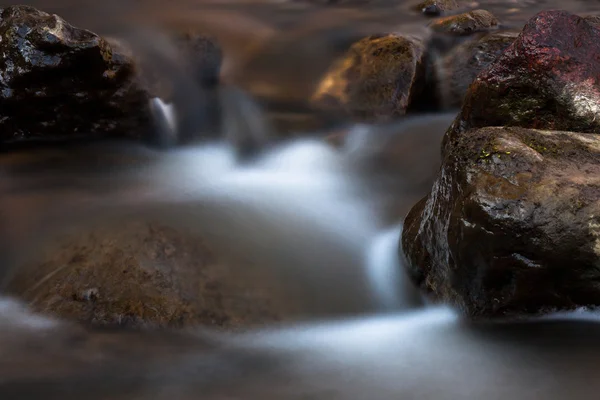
<point>378,79</point>
<point>547,79</point>
<point>466,23</point>
<point>146,275</point>
<point>58,81</point>
<point>511,225</point>
<point>456,70</point>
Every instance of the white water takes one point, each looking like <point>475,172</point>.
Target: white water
<point>297,209</point>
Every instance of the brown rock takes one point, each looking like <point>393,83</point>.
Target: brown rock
<point>457,69</point>
<point>465,24</point>
<point>547,79</point>
<point>58,81</point>
<point>377,79</point>
<point>511,225</point>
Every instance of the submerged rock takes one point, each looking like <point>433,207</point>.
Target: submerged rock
<point>456,70</point>
<point>547,79</point>
<point>141,275</point>
<point>378,78</point>
<point>512,224</point>
<point>58,81</point>
<point>466,23</point>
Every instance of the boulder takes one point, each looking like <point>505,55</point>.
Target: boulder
<point>377,80</point>
<point>466,23</point>
<point>58,81</point>
<point>548,78</point>
<point>457,69</point>
<point>512,225</point>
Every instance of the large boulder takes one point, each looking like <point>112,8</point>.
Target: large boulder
<point>377,80</point>
<point>512,224</point>
<point>548,78</point>
<point>58,81</point>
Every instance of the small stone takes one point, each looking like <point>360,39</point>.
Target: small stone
<point>465,24</point>
<point>58,81</point>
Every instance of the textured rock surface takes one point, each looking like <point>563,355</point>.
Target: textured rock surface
<point>465,24</point>
<point>547,79</point>
<point>377,79</point>
<point>59,81</point>
<point>511,225</point>
<point>141,274</point>
<point>456,70</point>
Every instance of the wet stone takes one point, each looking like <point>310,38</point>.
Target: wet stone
<point>58,81</point>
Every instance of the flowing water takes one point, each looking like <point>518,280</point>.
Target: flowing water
<point>318,217</point>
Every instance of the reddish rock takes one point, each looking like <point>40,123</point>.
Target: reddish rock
<point>547,79</point>
<point>456,70</point>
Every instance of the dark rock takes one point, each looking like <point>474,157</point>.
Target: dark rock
<point>547,79</point>
<point>58,81</point>
<point>465,24</point>
<point>456,70</point>
<point>378,78</point>
<point>436,7</point>
<point>512,224</point>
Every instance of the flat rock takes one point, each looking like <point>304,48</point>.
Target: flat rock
<point>58,81</point>
<point>512,224</point>
<point>377,80</point>
<point>548,78</point>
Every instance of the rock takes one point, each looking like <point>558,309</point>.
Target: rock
<point>143,274</point>
<point>547,79</point>
<point>378,78</point>
<point>436,7</point>
<point>512,224</point>
<point>466,23</point>
<point>456,70</point>
<point>58,81</point>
